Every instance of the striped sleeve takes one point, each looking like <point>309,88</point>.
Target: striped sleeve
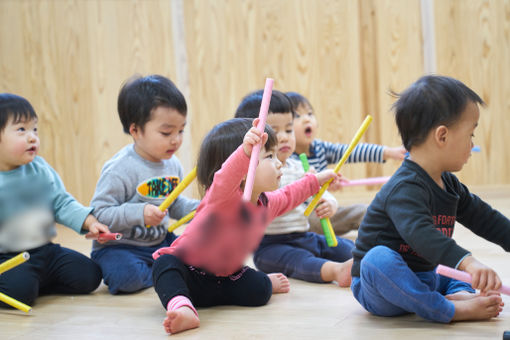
<point>331,153</point>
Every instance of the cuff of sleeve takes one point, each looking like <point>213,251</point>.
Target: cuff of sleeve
<point>77,223</point>
<point>462,259</point>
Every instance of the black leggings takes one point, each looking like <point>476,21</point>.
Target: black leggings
<point>51,269</point>
<point>172,277</point>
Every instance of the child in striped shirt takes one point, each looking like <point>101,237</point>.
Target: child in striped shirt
<point>321,154</point>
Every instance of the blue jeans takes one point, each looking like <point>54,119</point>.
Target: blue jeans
<point>299,255</point>
<point>127,269</point>
<point>388,287</point>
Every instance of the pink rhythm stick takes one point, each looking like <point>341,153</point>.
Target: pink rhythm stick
<point>109,237</point>
<point>366,181</point>
<point>254,159</point>
<point>463,276</point>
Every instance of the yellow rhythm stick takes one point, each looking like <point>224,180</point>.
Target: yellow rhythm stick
<point>182,221</point>
<point>178,190</point>
<point>15,261</point>
<point>14,303</point>
<point>351,147</point>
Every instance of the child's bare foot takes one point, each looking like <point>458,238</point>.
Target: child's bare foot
<point>477,308</point>
<point>343,274</point>
<point>463,295</point>
<point>336,271</point>
<point>280,283</point>
<point>179,320</point>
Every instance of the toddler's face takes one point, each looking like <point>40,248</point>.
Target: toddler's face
<point>19,144</point>
<point>283,126</point>
<point>305,125</point>
<point>161,136</point>
<point>460,138</point>
<point>268,172</point>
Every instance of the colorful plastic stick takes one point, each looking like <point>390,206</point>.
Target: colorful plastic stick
<point>354,142</point>
<point>15,261</point>
<point>327,229</point>
<point>109,237</point>
<point>366,181</point>
<point>463,276</point>
<point>182,221</point>
<point>5,266</point>
<point>178,190</point>
<point>329,233</point>
<point>15,303</point>
<point>254,159</point>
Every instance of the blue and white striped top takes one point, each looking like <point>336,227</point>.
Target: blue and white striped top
<point>324,153</point>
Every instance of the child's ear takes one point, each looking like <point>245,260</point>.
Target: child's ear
<point>133,130</point>
<point>441,135</point>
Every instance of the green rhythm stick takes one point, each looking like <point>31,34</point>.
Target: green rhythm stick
<point>325,222</point>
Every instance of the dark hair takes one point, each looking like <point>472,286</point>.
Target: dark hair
<point>221,142</point>
<point>429,102</point>
<point>298,99</point>
<point>139,96</point>
<point>15,107</point>
<point>250,104</point>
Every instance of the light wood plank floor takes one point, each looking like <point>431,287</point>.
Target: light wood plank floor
<point>320,311</point>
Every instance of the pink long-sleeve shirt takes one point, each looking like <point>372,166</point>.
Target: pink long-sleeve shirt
<point>226,229</point>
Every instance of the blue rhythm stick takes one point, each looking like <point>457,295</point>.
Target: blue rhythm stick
<point>329,233</point>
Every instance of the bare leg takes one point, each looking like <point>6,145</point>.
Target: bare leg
<point>280,283</point>
<point>179,320</point>
<point>477,308</point>
<point>339,272</point>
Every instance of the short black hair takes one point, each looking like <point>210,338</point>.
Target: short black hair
<point>221,142</point>
<point>139,96</point>
<point>298,99</point>
<point>16,108</point>
<point>250,104</point>
<point>429,102</point>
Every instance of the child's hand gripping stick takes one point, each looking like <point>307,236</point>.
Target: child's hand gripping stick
<point>178,190</point>
<point>182,221</point>
<point>354,142</point>
<point>254,159</point>
<point>103,237</point>
<point>327,229</point>
<point>463,276</point>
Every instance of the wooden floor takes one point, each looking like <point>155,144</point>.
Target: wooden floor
<point>309,311</point>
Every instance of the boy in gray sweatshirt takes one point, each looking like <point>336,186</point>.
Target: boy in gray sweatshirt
<point>136,180</point>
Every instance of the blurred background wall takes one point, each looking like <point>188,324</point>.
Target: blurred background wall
<point>70,58</point>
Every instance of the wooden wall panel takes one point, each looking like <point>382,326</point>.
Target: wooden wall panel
<point>70,58</point>
<point>309,47</point>
<point>473,45</point>
<point>391,54</point>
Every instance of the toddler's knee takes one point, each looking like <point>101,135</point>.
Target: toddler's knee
<point>264,292</point>
<point>379,256</point>
<point>128,280</point>
<point>91,279</point>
